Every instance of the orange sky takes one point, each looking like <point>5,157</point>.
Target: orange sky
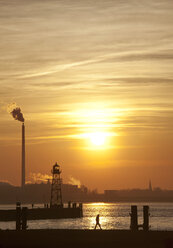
<point>83,71</point>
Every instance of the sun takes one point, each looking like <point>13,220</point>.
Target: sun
<point>98,138</point>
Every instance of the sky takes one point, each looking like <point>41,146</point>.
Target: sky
<point>94,81</point>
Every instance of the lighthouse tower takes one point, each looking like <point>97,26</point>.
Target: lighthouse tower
<point>56,193</point>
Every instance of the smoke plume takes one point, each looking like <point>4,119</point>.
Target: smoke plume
<point>17,114</point>
<point>74,181</point>
<point>38,177</point>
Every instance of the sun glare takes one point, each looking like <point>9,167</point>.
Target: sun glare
<point>94,125</point>
<point>98,138</point>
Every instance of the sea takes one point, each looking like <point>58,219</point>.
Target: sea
<point>112,216</point>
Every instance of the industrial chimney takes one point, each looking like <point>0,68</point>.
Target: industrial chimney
<point>17,115</point>
<point>23,156</point>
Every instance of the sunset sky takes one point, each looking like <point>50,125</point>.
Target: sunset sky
<point>94,80</point>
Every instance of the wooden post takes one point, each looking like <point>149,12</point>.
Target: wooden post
<point>81,209</point>
<point>134,218</point>
<point>74,204</point>
<point>18,216</point>
<point>146,218</point>
<point>24,218</point>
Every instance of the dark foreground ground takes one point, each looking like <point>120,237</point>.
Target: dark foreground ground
<point>86,239</point>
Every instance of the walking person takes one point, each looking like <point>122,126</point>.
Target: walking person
<point>98,222</point>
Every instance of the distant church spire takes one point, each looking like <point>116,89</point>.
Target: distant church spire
<point>150,186</point>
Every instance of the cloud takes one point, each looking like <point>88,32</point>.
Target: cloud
<point>59,68</point>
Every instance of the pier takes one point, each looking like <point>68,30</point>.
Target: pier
<point>55,210</point>
<point>74,211</point>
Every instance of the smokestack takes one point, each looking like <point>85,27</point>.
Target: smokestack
<point>17,115</point>
<point>23,156</point>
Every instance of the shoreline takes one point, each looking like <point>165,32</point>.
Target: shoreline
<point>88,202</point>
<point>85,238</point>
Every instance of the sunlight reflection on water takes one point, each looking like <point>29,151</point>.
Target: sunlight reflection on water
<point>112,216</point>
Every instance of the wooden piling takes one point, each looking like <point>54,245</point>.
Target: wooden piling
<point>74,204</point>
<point>69,204</point>
<point>18,216</point>
<point>81,209</point>
<point>146,218</point>
<point>24,218</point>
<point>134,218</point>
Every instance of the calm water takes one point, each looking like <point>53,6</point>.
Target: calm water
<point>112,216</point>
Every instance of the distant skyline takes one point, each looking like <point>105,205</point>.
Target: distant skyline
<point>94,81</point>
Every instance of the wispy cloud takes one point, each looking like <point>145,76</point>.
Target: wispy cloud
<point>58,68</point>
<point>105,58</point>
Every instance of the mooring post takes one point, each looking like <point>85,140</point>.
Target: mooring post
<point>74,204</point>
<point>24,218</point>
<point>81,209</point>
<point>134,218</point>
<point>146,218</point>
<point>69,204</point>
<point>18,216</point>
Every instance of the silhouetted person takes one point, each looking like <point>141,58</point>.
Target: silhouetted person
<point>97,222</point>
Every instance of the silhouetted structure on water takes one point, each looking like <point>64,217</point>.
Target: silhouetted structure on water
<point>54,210</point>
<point>134,226</point>
<point>56,192</point>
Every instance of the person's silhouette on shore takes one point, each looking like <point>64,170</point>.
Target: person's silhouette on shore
<point>97,222</point>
